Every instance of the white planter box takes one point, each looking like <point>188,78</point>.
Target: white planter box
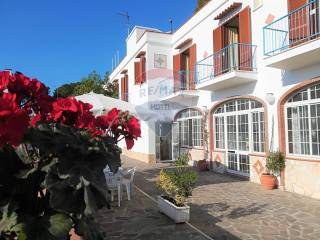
<point>178,214</point>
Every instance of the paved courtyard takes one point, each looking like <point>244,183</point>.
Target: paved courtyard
<point>222,207</point>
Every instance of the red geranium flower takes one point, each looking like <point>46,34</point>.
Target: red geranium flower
<point>112,117</point>
<point>4,79</point>
<point>13,121</point>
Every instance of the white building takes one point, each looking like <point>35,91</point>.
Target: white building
<point>237,79</point>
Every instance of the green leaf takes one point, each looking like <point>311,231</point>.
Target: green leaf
<point>88,229</point>
<point>60,225</point>
<point>8,219</point>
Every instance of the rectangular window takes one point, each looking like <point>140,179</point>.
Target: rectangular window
<point>219,132</point>
<point>197,132</point>
<point>232,132</point>
<point>184,133</point>
<point>298,130</point>
<point>258,134</point>
<point>243,132</point>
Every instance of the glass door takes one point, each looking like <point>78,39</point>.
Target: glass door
<point>164,141</point>
<point>238,144</point>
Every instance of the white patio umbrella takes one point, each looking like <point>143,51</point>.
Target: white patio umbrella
<point>102,104</point>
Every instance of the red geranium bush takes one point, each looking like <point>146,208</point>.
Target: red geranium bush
<point>24,102</point>
<point>52,156</point>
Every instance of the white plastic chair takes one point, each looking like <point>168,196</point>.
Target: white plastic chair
<point>114,185</point>
<point>128,181</point>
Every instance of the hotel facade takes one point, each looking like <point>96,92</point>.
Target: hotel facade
<point>236,81</point>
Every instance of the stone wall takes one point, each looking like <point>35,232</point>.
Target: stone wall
<point>257,168</point>
<point>303,177</point>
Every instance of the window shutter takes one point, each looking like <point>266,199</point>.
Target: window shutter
<point>245,51</point>
<point>126,87</point>
<point>122,89</point>
<point>142,69</point>
<point>295,4</point>
<point>137,75</point>
<point>298,22</point>
<point>245,26</point>
<point>176,71</point>
<point>217,46</point>
<point>193,61</point>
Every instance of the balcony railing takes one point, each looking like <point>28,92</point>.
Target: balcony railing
<point>299,26</point>
<point>184,80</point>
<point>234,57</point>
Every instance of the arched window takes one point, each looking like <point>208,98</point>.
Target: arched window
<point>239,129</point>
<point>302,122</point>
<point>190,128</point>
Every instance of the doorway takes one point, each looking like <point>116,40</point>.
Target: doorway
<point>230,37</point>
<point>163,141</point>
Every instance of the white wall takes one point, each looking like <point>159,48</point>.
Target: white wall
<point>200,28</point>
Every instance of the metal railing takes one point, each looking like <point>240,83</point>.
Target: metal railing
<point>299,26</point>
<point>184,80</point>
<point>234,57</point>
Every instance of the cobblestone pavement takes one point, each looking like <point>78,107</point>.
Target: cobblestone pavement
<point>222,206</point>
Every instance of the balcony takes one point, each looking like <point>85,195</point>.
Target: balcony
<point>182,88</point>
<point>293,42</point>
<point>231,66</point>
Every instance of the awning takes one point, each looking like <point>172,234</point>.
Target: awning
<point>228,10</point>
<point>140,54</point>
<point>181,45</point>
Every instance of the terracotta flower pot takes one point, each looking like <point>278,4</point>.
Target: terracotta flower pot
<point>203,165</point>
<point>268,181</point>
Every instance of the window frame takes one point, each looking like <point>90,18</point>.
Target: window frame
<point>190,117</point>
<point>291,104</point>
<point>222,108</point>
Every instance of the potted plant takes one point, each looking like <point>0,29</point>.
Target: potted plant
<point>275,164</point>
<point>53,152</point>
<point>176,185</point>
<point>202,165</point>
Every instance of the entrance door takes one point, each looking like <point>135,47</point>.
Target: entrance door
<point>175,141</point>
<point>238,144</point>
<point>164,141</point>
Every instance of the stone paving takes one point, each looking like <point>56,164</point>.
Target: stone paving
<point>222,206</point>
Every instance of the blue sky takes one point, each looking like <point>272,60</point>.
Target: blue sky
<point>60,41</point>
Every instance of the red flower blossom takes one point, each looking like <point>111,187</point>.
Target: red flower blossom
<point>112,117</point>
<point>134,127</point>
<point>129,143</point>
<point>4,79</point>
<point>13,121</point>
<point>63,107</point>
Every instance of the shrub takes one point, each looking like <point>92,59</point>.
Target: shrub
<point>275,162</point>
<point>176,184</point>
<point>182,160</point>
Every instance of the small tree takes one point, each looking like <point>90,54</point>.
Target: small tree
<point>275,162</point>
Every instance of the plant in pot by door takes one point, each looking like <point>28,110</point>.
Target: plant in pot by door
<point>176,185</point>
<point>203,165</point>
<point>275,164</point>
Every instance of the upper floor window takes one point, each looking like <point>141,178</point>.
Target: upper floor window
<point>302,115</point>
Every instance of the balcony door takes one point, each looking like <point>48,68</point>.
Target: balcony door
<point>231,36</point>
<point>185,70</point>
